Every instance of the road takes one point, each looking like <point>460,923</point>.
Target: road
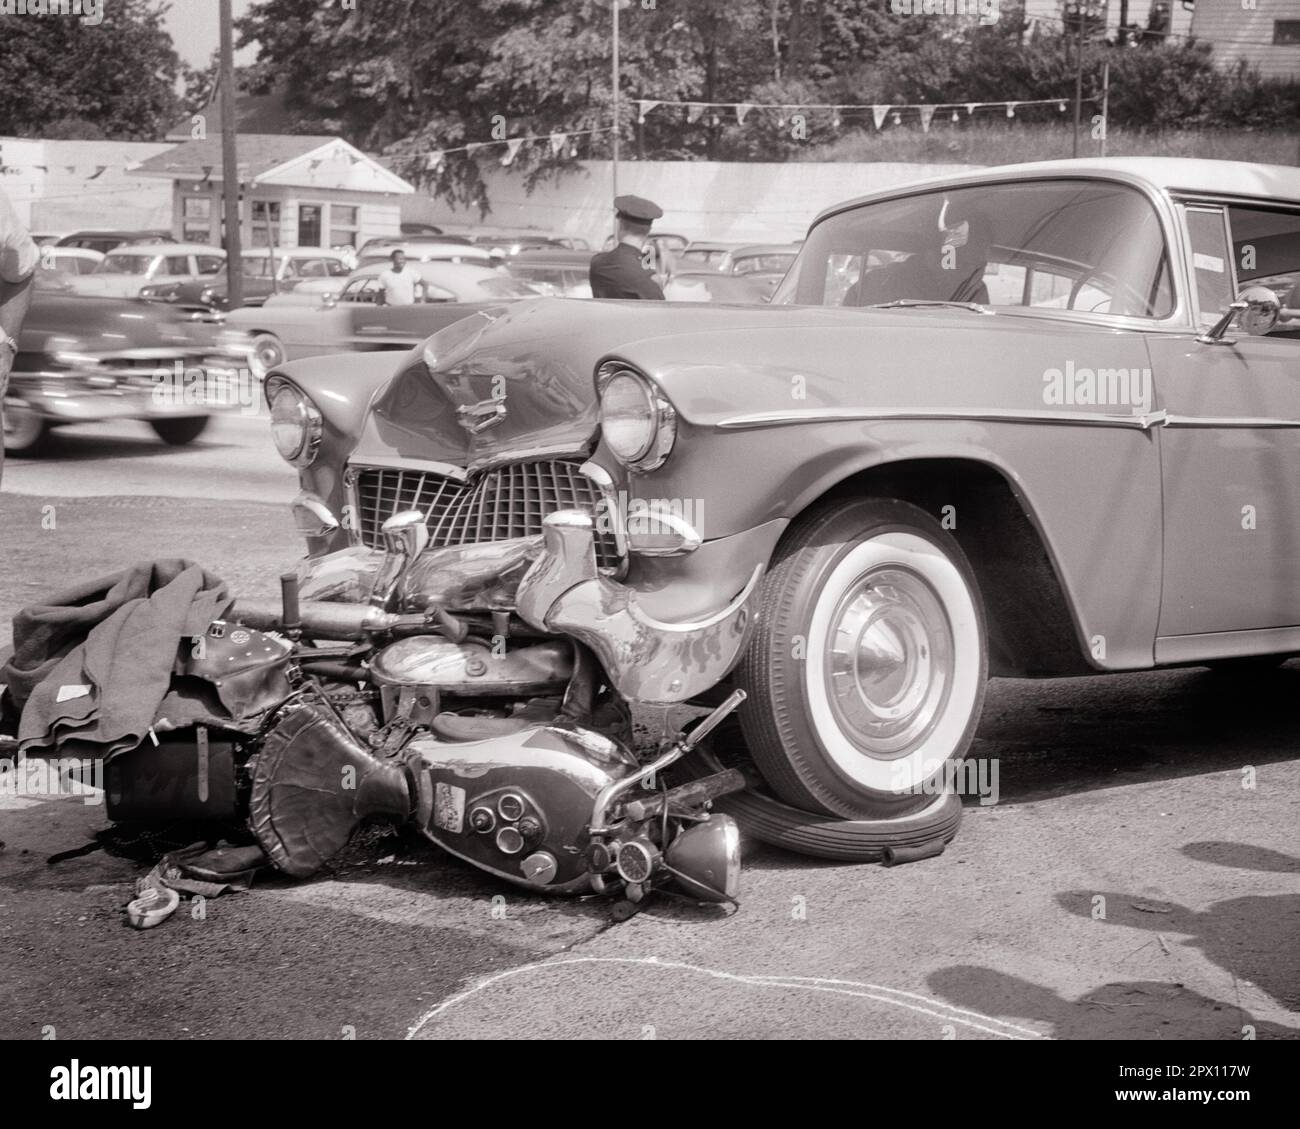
<point>1138,876</point>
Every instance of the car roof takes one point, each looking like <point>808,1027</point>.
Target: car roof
<point>1190,175</point>
<point>711,245</point>
<point>167,249</point>
<point>80,252</point>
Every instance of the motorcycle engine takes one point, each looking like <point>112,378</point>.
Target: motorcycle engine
<point>517,805</point>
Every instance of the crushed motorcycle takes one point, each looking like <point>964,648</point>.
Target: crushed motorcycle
<point>501,741</point>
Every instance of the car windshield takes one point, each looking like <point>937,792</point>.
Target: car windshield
<point>125,264</point>
<point>1088,246</point>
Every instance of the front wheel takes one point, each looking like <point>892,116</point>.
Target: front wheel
<point>178,432</point>
<point>867,668</point>
<point>25,432</point>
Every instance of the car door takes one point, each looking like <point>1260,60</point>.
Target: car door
<point>1230,446</point>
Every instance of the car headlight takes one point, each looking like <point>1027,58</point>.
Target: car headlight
<point>207,296</point>
<point>296,423</point>
<point>638,425</point>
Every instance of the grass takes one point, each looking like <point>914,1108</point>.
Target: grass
<point>999,144</point>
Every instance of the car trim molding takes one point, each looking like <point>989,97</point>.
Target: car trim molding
<point>1172,649</point>
<point>789,417</point>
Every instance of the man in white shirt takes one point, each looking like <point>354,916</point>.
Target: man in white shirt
<point>398,283</point>
<point>18,259</point>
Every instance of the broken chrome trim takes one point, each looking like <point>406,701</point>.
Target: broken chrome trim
<point>647,660</point>
<point>614,514</point>
<point>312,515</point>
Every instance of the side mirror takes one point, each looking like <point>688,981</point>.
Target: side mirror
<point>1257,311</point>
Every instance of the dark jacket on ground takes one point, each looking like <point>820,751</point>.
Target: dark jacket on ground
<point>93,664</point>
<point>619,274</point>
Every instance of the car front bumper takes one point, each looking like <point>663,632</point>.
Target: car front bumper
<point>554,585</point>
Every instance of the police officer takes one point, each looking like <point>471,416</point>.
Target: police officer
<point>619,273</point>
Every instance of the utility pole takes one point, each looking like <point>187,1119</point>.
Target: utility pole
<point>1105,106</point>
<point>617,118</point>
<point>1078,82</point>
<point>230,161</point>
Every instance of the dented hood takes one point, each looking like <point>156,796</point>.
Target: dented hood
<point>518,380</point>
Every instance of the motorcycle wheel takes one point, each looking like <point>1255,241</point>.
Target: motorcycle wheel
<point>765,818</point>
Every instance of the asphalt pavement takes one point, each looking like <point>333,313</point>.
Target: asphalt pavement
<point>1138,876</point>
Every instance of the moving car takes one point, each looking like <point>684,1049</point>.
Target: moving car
<point>305,324</point>
<point>82,359</point>
<point>265,273</point>
<point>106,241</point>
<point>125,272</point>
<point>555,273</point>
<point>1036,420</point>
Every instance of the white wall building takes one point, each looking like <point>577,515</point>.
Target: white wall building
<point>303,191</point>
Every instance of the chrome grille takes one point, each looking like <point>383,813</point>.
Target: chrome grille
<point>508,501</point>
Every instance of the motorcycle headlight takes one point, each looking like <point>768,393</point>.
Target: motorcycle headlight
<point>296,424</point>
<point>638,425</point>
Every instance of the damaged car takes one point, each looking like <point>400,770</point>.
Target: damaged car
<point>1003,423</point>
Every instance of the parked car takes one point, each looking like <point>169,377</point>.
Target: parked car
<point>711,286</point>
<point>436,249</point>
<point>70,260</point>
<point>291,326</point>
<point>764,264</point>
<point>129,269</point>
<point>1026,421</point>
<point>106,241</point>
<point>82,360</point>
<point>555,273</point>
<point>264,274</point>
<point>511,245</point>
<point>704,253</point>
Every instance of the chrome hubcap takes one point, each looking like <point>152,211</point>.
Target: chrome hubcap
<point>889,662</point>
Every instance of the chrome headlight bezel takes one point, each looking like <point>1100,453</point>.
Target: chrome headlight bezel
<point>297,411</point>
<point>660,418</point>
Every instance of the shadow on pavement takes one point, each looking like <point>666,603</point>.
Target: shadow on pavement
<point>1251,938</point>
<point>1133,1009</point>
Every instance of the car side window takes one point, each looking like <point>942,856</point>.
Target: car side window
<point>176,265</point>
<point>1266,252</point>
<point>436,293</point>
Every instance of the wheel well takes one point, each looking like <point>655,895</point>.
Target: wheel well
<point>1031,630</point>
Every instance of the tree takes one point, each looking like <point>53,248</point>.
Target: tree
<point>115,80</point>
